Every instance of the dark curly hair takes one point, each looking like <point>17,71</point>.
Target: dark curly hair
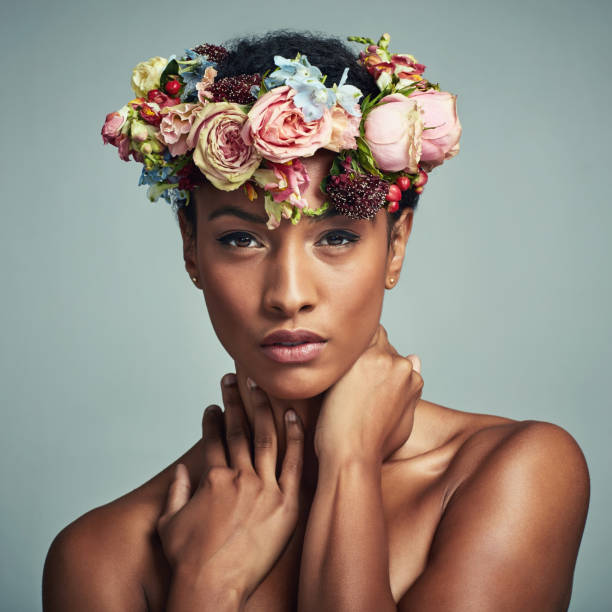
<point>255,54</point>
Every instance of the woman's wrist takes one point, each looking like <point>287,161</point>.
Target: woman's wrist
<point>342,458</point>
<point>203,591</point>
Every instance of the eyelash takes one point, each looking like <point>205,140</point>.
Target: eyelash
<point>348,237</point>
<point>229,238</point>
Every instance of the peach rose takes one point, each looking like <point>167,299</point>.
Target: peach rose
<point>175,126</point>
<point>345,129</point>
<point>393,132</point>
<point>443,130</point>
<point>278,130</point>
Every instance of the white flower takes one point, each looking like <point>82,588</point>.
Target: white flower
<point>145,75</point>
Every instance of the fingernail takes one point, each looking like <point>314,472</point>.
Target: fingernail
<point>291,417</point>
<point>251,384</point>
<point>228,380</point>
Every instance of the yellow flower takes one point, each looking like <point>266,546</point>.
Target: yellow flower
<point>145,75</point>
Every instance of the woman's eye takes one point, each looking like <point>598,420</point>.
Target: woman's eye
<point>338,238</point>
<point>239,239</point>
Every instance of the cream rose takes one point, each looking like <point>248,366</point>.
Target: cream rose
<point>145,75</point>
<point>345,129</point>
<point>224,158</point>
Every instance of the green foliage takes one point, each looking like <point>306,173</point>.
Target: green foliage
<point>170,73</point>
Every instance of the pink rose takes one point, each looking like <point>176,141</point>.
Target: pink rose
<point>345,129</point>
<point>441,139</point>
<point>222,155</point>
<point>393,132</point>
<point>175,126</point>
<point>278,130</point>
<point>112,126</point>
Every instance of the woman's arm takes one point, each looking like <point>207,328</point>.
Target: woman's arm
<point>345,560</point>
<point>364,417</point>
<point>89,568</point>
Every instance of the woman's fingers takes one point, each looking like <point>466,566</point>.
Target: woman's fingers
<point>237,430</point>
<point>264,435</point>
<point>291,472</point>
<point>179,493</point>
<point>416,362</point>
<point>212,438</point>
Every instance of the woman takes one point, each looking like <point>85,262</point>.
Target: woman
<point>327,483</point>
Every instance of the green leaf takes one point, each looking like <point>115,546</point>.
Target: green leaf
<point>361,39</point>
<point>310,212</point>
<point>170,73</point>
<point>406,91</point>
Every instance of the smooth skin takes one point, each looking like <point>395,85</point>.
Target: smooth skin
<point>372,499</point>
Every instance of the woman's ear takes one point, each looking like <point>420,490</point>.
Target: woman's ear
<point>400,232</point>
<point>189,246</point>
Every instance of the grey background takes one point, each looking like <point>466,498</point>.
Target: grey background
<point>107,355</point>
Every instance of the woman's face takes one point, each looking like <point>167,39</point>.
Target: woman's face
<point>326,275</point>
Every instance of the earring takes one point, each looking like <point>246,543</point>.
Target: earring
<point>194,279</point>
<point>392,281</point>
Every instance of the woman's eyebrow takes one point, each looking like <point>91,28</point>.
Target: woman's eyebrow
<point>236,212</point>
<point>330,212</point>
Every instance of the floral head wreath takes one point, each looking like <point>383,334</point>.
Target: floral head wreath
<point>251,130</point>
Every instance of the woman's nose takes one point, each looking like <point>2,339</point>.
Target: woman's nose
<point>289,284</point>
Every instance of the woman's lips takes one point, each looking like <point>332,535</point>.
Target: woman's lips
<point>293,346</point>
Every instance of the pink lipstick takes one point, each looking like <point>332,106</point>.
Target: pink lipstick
<point>293,346</point>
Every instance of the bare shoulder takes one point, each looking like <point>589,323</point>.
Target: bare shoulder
<point>99,560</point>
<point>513,518</point>
<point>503,452</point>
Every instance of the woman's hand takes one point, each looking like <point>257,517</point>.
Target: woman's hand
<point>239,519</point>
<point>369,411</point>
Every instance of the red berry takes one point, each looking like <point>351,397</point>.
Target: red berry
<point>421,179</point>
<point>393,207</point>
<point>403,182</point>
<point>395,194</point>
<point>172,87</point>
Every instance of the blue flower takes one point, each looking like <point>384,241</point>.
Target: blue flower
<point>348,96</point>
<point>312,97</point>
<point>176,197</point>
<point>157,174</point>
<point>192,71</point>
<point>299,67</point>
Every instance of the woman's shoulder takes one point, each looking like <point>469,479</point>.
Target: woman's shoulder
<point>481,443</point>
<point>514,499</point>
<point>96,561</point>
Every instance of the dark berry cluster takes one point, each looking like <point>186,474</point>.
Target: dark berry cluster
<point>190,177</point>
<point>214,53</point>
<point>358,196</point>
<point>235,89</point>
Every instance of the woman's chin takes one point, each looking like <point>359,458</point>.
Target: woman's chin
<point>294,387</point>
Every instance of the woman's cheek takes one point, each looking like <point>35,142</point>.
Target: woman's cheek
<point>229,310</point>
